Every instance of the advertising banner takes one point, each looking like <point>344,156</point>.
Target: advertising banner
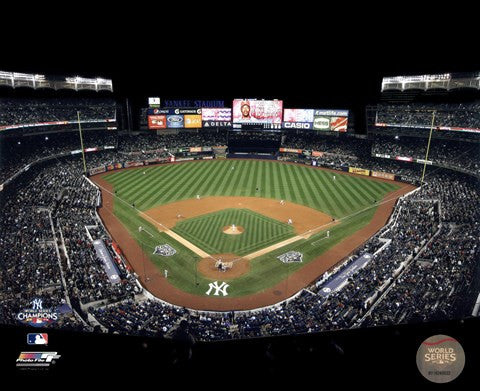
<point>331,113</point>
<point>404,158</point>
<point>384,175</point>
<point>195,149</point>
<point>157,122</point>
<point>206,149</point>
<point>332,124</point>
<point>107,261</point>
<point>359,171</point>
<point>250,111</point>
<point>158,111</point>
<point>217,114</point>
<point>423,161</point>
<point>297,125</point>
<point>175,121</point>
<point>133,164</point>
<point>298,115</point>
<point>321,123</point>
<point>290,150</point>
<point>193,121</point>
<point>217,124</point>
<point>382,156</point>
<point>317,154</point>
<point>97,170</point>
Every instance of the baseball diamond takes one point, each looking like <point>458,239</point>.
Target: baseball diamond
<point>259,196</point>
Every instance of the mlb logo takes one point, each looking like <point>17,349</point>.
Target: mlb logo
<point>37,339</point>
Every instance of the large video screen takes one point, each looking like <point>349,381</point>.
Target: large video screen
<point>252,111</point>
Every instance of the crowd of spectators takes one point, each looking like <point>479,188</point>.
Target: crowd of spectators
<point>462,115</point>
<point>50,201</point>
<point>442,152</point>
<point>24,111</point>
<point>420,275</point>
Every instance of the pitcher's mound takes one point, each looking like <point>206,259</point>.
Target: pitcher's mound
<point>233,230</point>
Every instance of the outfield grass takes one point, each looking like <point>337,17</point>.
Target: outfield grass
<point>315,188</point>
<point>260,231</point>
<point>303,185</point>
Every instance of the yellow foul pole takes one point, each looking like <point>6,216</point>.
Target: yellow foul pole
<point>428,148</point>
<point>81,143</point>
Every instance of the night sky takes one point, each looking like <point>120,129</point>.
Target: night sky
<point>306,64</point>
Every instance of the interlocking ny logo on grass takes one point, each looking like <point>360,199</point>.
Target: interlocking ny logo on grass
<point>440,358</point>
<point>37,316</point>
<point>222,288</point>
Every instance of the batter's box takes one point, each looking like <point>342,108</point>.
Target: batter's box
<point>291,256</point>
<point>165,250</point>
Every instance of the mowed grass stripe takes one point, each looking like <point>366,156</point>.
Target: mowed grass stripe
<point>361,193</point>
<point>347,191</point>
<point>201,185</point>
<point>176,189</point>
<point>194,182</point>
<point>319,178</point>
<point>333,192</point>
<point>294,184</point>
<point>159,187</point>
<point>367,188</point>
<point>225,175</point>
<point>219,177</point>
<point>159,184</point>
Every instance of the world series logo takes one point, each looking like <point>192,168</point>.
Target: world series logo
<point>440,359</point>
<point>36,315</point>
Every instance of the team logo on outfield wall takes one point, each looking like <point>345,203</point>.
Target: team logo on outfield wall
<point>219,289</point>
<point>440,359</point>
<point>291,256</point>
<point>36,315</point>
<point>165,250</point>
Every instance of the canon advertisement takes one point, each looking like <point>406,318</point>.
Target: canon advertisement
<point>157,122</point>
<point>252,111</point>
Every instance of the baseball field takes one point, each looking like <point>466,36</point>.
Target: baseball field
<point>244,213</point>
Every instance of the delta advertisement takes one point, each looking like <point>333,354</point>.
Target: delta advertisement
<point>359,171</point>
<point>215,117</point>
<point>252,111</point>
